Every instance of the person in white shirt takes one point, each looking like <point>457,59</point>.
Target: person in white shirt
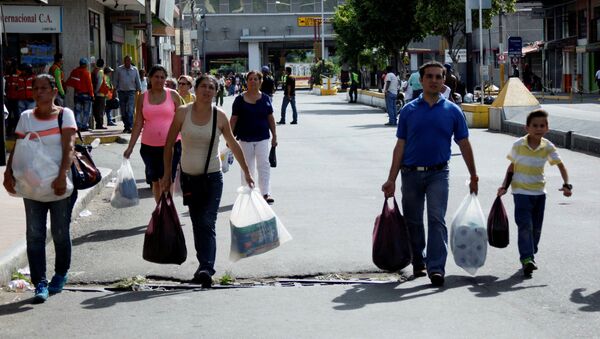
<point>390,88</point>
<point>598,78</point>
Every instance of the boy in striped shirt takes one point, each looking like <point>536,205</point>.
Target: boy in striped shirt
<point>525,174</point>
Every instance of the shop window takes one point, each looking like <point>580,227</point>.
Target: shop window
<point>94,35</point>
<point>212,6</point>
<point>236,6</point>
<point>328,5</point>
<point>283,6</point>
<point>259,6</point>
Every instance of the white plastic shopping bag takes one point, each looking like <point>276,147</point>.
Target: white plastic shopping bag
<point>255,228</point>
<point>125,193</point>
<point>468,235</point>
<point>177,183</point>
<point>226,156</point>
<point>35,167</point>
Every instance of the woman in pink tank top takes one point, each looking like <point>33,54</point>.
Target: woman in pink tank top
<point>155,110</point>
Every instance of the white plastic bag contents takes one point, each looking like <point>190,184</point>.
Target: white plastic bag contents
<point>125,193</point>
<point>468,235</point>
<point>226,156</point>
<point>35,166</point>
<point>255,228</point>
<point>177,183</point>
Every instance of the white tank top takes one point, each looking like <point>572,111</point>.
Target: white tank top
<point>195,140</point>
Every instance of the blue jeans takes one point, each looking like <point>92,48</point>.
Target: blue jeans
<point>433,187</point>
<point>127,106</point>
<point>529,216</point>
<point>36,213</point>
<point>83,110</point>
<point>25,105</point>
<point>204,217</point>
<point>390,106</point>
<point>286,101</point>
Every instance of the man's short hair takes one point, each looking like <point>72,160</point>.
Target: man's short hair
<point>58,57</point>
<point>389,69</point>
<point>288,70</point>
<point>431,64</point>
<point>537,113</point>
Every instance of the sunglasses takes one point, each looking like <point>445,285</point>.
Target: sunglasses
<point>183,84</point>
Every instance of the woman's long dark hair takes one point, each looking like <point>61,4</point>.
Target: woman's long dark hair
<point>154,69</point>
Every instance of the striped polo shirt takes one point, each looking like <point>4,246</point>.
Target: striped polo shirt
<point>529,164</point>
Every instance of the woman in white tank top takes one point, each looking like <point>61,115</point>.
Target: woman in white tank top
<point>202,182</point>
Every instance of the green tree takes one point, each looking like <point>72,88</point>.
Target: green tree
<point>349,42</point>
<point>447,19</point>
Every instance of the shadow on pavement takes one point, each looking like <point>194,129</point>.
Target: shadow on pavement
<point>381,125</point>
<point>145,193</point>
<point>221,209</point>
<point>489,286</point>
<point>591,301</point>
<point>106,235</point>
<point>18,307</point>
<point>483,286</point>
<point>109,300</point>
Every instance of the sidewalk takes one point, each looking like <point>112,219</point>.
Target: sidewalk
<point>13,254</point>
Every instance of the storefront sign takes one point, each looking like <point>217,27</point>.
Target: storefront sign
<point>32,19</point>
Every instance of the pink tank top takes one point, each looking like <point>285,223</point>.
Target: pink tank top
<point>157,120</point>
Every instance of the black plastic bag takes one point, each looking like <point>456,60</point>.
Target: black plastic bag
<point>164,242</point>
<point>392,250</point>
<point>273,157</point>
<point>497,225</point>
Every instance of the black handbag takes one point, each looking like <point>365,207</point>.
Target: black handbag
<point>84,172</point>
<point>112,103</point>
<point>196,186</point>
<point>273,157</point>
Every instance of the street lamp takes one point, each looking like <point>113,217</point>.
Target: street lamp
<point>323,56</point>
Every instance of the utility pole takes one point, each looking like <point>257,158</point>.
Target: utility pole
<point>149,53</point>
<point>181,57</point>
<point>2,130</point>
<point>501,47</point>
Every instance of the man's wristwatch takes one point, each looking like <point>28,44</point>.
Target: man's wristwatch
<point>568,186</point>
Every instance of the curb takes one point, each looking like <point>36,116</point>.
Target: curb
<point>16,256</point>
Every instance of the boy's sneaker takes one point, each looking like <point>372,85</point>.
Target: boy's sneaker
<point>41,293</point>
<point>57,283</point>
<point>528,266</point>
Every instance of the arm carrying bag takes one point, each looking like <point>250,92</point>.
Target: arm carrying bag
<point>392,250</point>
<point>164,242</point>
<point>84,171</point>
<point>497,225</point>
<point>468,235</point>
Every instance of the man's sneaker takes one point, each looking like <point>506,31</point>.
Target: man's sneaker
<point>203,278</point>
<point>528,266</point>
<point>41,293</point>
<point>57,283</point>
<point>419,272</point>
<point>269,199</point>
<point>280,122</point>
<point>437,279</point>
<point>294,122</point>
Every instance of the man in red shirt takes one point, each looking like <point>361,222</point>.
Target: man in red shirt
<point>81,81</point>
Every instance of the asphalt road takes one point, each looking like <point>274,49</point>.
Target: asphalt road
<point>327,191</point>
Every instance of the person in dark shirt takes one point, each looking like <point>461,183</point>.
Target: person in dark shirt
<point>289,96</point>
<point>253,125</point>
<point>268,83</point>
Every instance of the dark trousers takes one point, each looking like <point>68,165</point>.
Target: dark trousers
<point>98,110</point>
<point>353,91</point>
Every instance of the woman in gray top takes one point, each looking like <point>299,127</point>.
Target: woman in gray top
<point>200,125</point>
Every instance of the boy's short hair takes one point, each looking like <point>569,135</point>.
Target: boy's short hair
<point>538,113</point>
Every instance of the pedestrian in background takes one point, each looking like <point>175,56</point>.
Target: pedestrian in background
<point>99,98</point>
<point>414,81</point>
<point>184,88</point>
<point>43,119</point>
<point>268,83</point>
<point>81,81</point>
<point>253,125</point>
<point>220,90</point>
<point>12,94</point>
<point>24,88</point>
<point>127,83</point>
<point>111,96</point>
<point>56,70</point>
<point>143,80</point>
<point>353,85</point>
<point>525,175</point>
<point>194,122</point>
<point>390,88</point>
<point>289,97</point>
<point>425,130</point>
<point>156,108</point>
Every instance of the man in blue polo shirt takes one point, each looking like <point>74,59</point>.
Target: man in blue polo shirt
<point>425,131</point>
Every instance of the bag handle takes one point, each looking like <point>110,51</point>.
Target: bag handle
<point>385,205</point>
<point>60,121</point>
<point>212,138</point>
